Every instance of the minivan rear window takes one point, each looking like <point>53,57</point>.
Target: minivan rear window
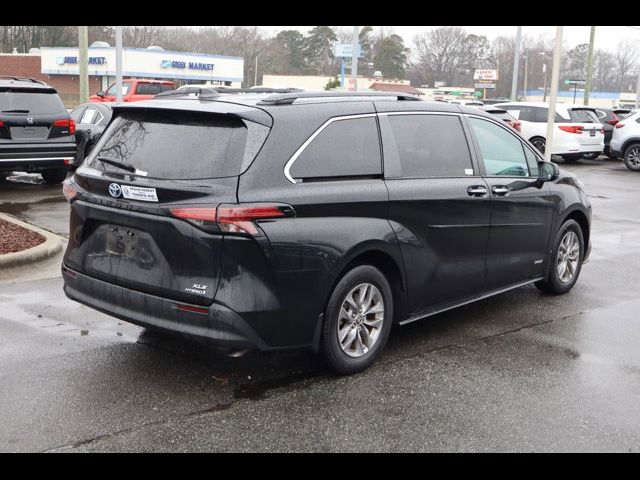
<point>33,103</point>
<point>179,145</point>
<point>583,116</point>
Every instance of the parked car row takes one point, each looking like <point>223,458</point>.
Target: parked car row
<point>274,220</point>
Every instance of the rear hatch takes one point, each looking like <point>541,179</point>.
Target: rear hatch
<point>122,228</point>
<point>585,125</point>
<point>33,115</point>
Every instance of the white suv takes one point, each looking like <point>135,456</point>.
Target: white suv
<point>625,142</point>
<point>578,132</point>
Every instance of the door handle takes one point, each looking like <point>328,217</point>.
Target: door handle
<point>477,191</point>
<point>500,190</point>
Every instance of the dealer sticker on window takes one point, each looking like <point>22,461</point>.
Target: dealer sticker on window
<point>139,193</point>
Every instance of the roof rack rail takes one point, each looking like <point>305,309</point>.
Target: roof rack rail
<point>288,98</point>
<point>202,92</point>
<point>23,79</point>
<point>257,90</point>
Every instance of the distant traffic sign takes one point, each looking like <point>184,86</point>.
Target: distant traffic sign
<point>574,82</point>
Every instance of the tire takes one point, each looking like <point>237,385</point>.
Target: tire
<point>539,143</point>
<point>632,157</point>
<point>355,284</point>
<point>590,156</point>
<point>54,176</point>
<point>553,281</point>
<point>571,158</point>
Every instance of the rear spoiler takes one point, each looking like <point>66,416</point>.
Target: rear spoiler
<point>43,89</point>
<point>245,112</point>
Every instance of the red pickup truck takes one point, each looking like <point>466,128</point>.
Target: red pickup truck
<point>134,90</point>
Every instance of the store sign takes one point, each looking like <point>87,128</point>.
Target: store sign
<point>485,85</point>
<point>345,50</point>
<point>186,65</point>
<point>485,74</point>
<point>75,61</point>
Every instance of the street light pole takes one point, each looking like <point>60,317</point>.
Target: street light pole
<point>526,67</point>
<point>555,76</point>
<point>516,65</point>
<point>354,58</point>
<point>119,64</point>
<point>83,52</point>
<point>544,89</point>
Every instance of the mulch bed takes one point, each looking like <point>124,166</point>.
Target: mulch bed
<point>14,238</point>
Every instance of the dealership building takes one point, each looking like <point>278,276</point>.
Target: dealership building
<point>59,67</point>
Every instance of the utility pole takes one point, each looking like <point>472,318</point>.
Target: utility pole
<point>555,76</point>
<point>526,67</point>
<point>516,65</point>
<point>587,86</point>
<point>544,89</point>
<point>637,90</point>
<point>255,72</point>
<point>354,59</point>
<point>83,53</point>
<point>119,64</point>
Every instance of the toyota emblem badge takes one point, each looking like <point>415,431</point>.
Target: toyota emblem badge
<point>115,190</point>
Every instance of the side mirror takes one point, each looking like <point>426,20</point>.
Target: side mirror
<point>100,93</point>
<point>549,171</point>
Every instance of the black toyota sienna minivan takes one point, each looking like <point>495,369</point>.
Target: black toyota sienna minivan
<point>320,220</point>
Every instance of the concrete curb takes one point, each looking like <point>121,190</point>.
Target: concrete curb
<point>47,249</point>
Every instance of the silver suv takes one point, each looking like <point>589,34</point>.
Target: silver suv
<point>625,142</point>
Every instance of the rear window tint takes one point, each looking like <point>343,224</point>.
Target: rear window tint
<point>179,145</point>
<point>583,116</point>
<point>31,102</point>
<point>152,88</point>
<point>431,145</point>
<point>345,148</point>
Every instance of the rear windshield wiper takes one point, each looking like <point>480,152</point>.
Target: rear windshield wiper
<point>15,111</point>
<point>123,166</point>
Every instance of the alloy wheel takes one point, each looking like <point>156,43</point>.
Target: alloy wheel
<point>360,320</point>
<point>568,257</point>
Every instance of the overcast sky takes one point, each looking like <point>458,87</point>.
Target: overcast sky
<point>607,37</point>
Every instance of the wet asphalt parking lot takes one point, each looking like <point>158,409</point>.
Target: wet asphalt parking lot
<point>521,371</point>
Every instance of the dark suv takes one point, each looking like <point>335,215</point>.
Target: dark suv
<point>36,132</point>
<point>313,220</point>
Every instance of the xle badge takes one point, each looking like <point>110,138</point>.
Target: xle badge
<point>197,289</point>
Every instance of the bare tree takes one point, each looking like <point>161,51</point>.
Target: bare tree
<point>626,57</point>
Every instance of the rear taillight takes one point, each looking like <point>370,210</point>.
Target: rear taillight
<point>70,189</point>
<point>619,125</point>
<point>571,128</point>
<point>1,123</point>
<point>69,123</point>
<point>233,218</point>
<point>517,126</point>
<point>614,120</point>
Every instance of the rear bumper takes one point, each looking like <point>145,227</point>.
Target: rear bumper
<point>218,325</point>
<point>566,148</point>
<point>36,156</point>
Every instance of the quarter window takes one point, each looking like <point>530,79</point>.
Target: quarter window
<point>502,152</point>
<point>89,116</point>
<point>344,148</point>
<point>431,146</point>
